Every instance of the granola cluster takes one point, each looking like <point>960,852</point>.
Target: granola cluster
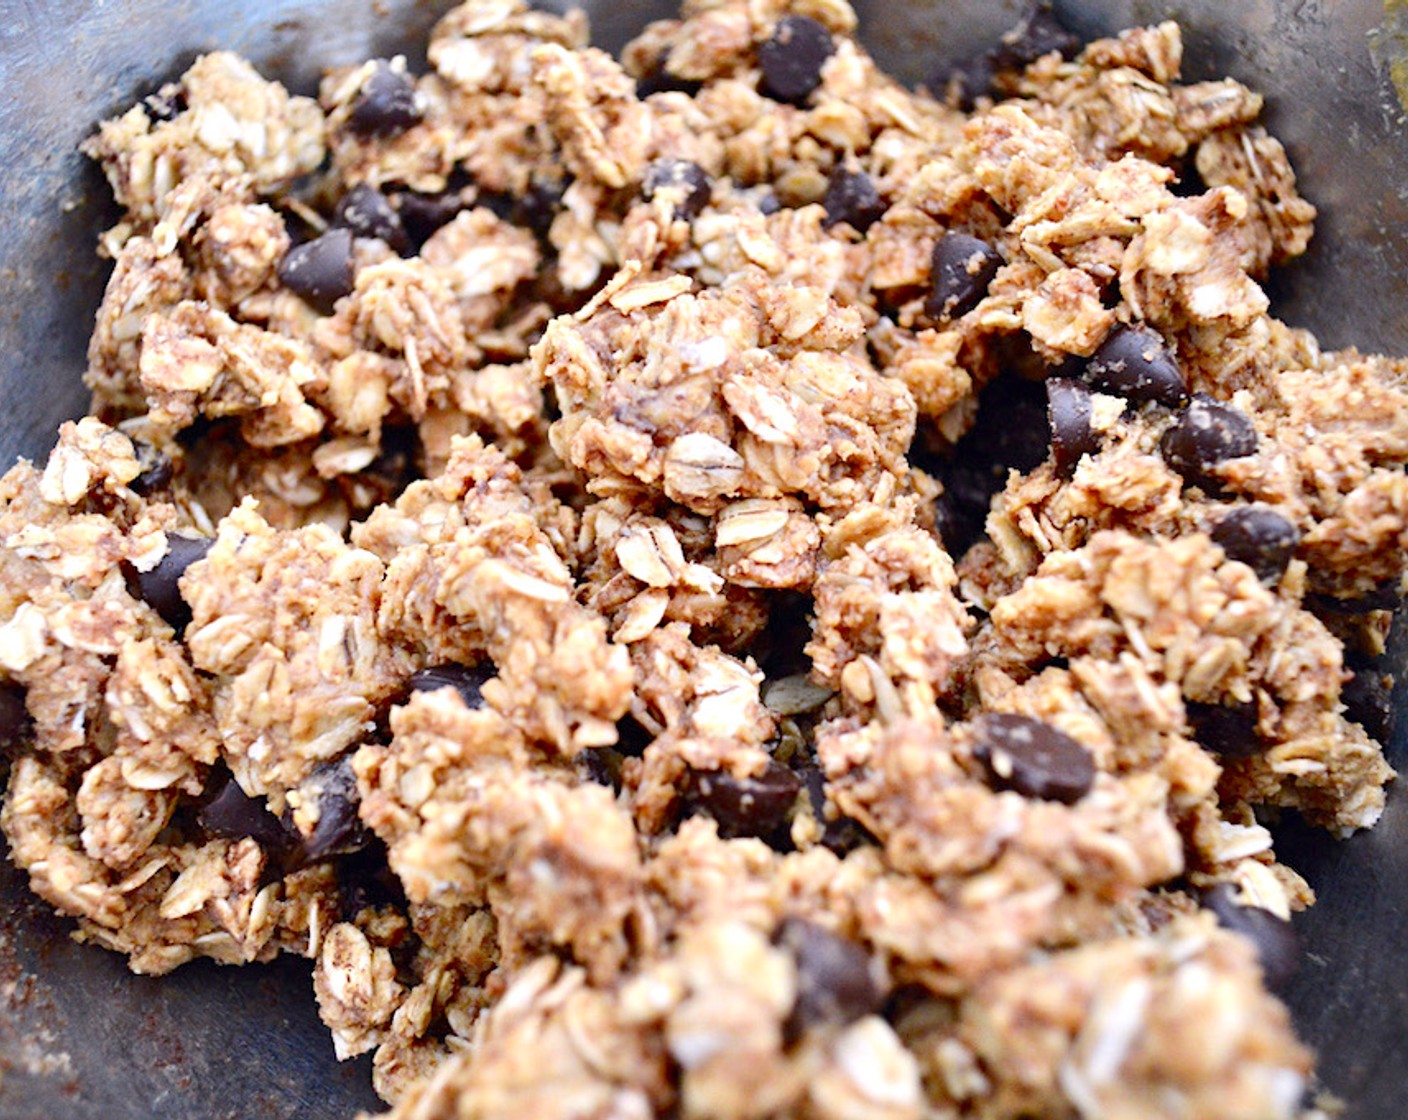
<point>711,584</point>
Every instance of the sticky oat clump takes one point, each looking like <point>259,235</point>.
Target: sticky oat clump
<point>712,584</point>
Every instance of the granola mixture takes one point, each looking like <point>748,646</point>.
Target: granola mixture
<point>710,584</point>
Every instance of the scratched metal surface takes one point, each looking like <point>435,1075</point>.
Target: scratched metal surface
<point>80,1038</point>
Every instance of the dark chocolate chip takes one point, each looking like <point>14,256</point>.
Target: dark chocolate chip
<point>1260,538</point>
<point>661,80</point>
<point>1134,363</point>
<point>1068,412</point>
<point>680,182</point>
<point>840,834</point>
<point>464,679</point>
<point>1277,944</point>
<point>1033,758</point>
<point>851,197</point>
<point>320,271</point>
<point>1368,701</point>
<point>369,213</point>
<point>386,104</point>
<point>1038,34</point>
<point>746,806</point>
<point>1205,434</point>
<point>423,214</point>
<point>835,982</point>
<point>232,815</point>
<point>792,59</point>
<point>1228,730</point>
<point>160,588</point>
<point>844,835</point>
<point>960,271</point>
<point>156,469</point>
<point>16,728</point>
<point>965,82</point>
<point>339,830</point>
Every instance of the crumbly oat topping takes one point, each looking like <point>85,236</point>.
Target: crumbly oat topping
<point>712,584</point>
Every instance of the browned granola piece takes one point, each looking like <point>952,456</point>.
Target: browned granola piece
<point>475,563</point>
<point>470,816</point>
<point>199,361</point>
<point>553,1047</point>
<point>143,281</point>
<point>978,878</point>
<point>889,628</point>
<point>1175,1023</point>
<point>234,123</point>
<point>1256,164</point>
<point>286,623</point>
<point>1208,625</point>
<point>756,396</point>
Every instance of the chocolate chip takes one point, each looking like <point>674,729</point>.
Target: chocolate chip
<point>680,182</point>
<point>232,815</point>
<point>835,981</point>
<point>1228,730</point>
<point>1068,412</point>
<point>851,197</point>
<point>792,59</point>
<point>964,83</point>
<point>464,679</point>
<point>661,80</point>
<point>746,806</point>
<point>839,835</point>
<point>320,271</point>
<point>960,271</point>
<point>1276,941</point>
<point>160,588</point>
<point>1260,538</point>
<point>156,469</point>
<point>369,213</point>
<point>1134,363</point>
<point>423,214</point>
<point>386,104</point>
<point>1368,701</point>
<point>339,829</point>
<point>16,728</point>
<point>1037,34</point>
<point>1205,434</point>
<point>1033,758</point>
